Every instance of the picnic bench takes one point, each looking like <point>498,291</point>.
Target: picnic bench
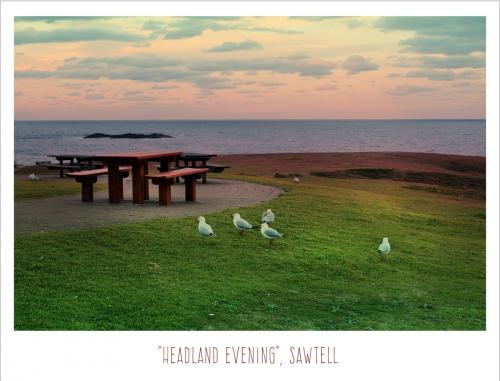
<point>89,178</point>
<point>190,160</point>
<point>72,162</point>
<point>217,168</point>
<point>165,180</point>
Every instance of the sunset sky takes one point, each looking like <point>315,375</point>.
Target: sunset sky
<point>249,67</point>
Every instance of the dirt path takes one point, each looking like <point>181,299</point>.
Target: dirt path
<point>60,213</point>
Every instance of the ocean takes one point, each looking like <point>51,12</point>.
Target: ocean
<point>34,140</point>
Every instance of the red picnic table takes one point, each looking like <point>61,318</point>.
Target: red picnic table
<point>139,163</point>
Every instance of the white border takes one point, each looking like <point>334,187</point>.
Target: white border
<point>362,355</point>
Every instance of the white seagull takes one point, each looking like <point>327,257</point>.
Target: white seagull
<point>241,224</point>
<point>269,233</point>
<point>33,177</point>
<point>384,248</point>
<point>268,216</point>
<point>204,229</point>
<point>296,179</point>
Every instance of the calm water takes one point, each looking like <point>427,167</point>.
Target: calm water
<point>34,140</point>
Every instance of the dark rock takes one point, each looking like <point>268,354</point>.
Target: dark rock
<point>99,135</point>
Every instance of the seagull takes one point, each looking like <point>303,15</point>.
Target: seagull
<point>384,248</point>
<point>33,177</point>
<point>241,224</point>
<point>268,216</point>
<point>269,233</point>
<point>296,179</point>
<point>205,229</point>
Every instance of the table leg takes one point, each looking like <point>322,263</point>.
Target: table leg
<point>146,182</point>
<point>114,183</point>
<point>164,165</point>
<point>177,165</point>
<point>165,192</point>
<point>61,170</point>
<point>138,181</point>
<point>190,184</point>
<point>204,174</point>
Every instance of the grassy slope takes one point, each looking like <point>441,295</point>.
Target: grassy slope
<point>325,273</point>
<point>25,189</point>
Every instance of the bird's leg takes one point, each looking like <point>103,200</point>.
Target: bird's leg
<point>240,232</point>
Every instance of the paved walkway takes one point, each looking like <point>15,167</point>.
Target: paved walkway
<point>68,212</point>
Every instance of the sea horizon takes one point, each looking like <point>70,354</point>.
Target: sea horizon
<point>242,119</point>
<point>35,139</point>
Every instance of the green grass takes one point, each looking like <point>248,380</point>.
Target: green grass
<point>26,189</point>
<point>323,275</point>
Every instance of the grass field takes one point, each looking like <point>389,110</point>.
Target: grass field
<point>26,189</point>
<point>324,274</point>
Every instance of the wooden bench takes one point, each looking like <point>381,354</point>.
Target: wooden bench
<point>217,168</point>
<point>62,167</point>
<point>72,167</point>
<point>212,168</point>
<point>88,178</point>
<point>165,180</point>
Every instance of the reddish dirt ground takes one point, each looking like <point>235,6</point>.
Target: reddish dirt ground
<point>304,163</point>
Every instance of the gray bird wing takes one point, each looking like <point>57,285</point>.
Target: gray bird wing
<point>270,232</point>
<point>384,248</point>
<point>242,224</point>
<point>268,217</point>
<point>205,229</point>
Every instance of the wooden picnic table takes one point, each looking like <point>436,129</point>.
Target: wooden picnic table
<point>139,162</point>
<point>81,160</point>
<point>194,158</point>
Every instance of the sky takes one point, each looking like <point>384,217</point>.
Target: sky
<point>72,68</point>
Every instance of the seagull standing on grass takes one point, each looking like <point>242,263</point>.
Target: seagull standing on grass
<point>384,248</point>
<point>296,179</point>
<point>269,233</point>
<point>33,177</point>
<point>268,216</point>
<point>241,224</point>
<point>204,229</point>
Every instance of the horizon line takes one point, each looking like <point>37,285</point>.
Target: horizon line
<point>238,119</point>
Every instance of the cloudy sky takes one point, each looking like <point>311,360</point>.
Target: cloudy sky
<point>249,67</point>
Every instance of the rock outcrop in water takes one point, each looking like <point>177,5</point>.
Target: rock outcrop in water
<point>99,135</point>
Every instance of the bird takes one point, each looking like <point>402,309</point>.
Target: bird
<point>205,229</point>
<point>268,216</point>
<point>384,248</point>
<point>269,233</point>
<point>33,177</point>
<point>241,224</point>
<point>296,179</point>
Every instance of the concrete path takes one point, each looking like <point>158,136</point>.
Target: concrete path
<point>68,212</point>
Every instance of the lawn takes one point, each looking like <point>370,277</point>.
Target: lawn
<point>26,189</point>
<point>324,274</point>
